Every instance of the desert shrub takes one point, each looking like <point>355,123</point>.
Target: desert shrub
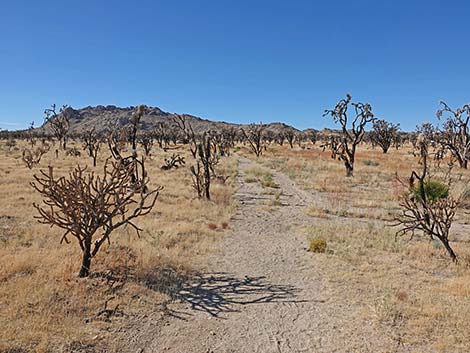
<point>317,245</point>
<point>268,182</point>
<point>250,179</point>
<point>465,198</point>
<point>370,163</point>
<point>434,190</point>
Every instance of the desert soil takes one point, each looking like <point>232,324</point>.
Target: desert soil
<point>263,291</point>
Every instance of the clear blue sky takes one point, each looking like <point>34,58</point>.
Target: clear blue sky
<point>239,61</point>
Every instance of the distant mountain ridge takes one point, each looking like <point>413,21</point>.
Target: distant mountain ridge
<point>111,117</point>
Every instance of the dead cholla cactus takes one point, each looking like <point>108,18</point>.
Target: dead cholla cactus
<point>384,134</point>
<point>135,120</point>
<point>254,135</point>
<point>10,144</point>
<point>222,141</point>
<point>73,152</point>
<point>59,124</point>
<point>427,205</point>
<point>129,133</point>
<point>91,144</point>
<point>312,135</point>
<point>455,133</point>
<point>163,134</point>
<point>146,141</point>
<point>333,144</point>
<point>182,123</point>
<point>174,161</point>
<point>290,137</point>
<point>90,207</point>
<point>30,135</point>
<point>203,171</point>
<point>32,158</point>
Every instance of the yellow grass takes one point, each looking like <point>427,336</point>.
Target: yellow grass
<point>45,307</point>
<point>410,288</point>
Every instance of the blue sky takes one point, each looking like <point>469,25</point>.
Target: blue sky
<point>238,61</point>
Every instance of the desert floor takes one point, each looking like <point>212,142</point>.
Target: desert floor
<point>235,274</point>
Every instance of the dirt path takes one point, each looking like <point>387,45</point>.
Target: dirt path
<point>263,292</point>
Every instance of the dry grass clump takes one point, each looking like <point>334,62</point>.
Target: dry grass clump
<point>317,245</point>
<point>261,175</point>
<point>45,307</point>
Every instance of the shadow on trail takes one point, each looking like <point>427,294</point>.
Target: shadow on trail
<point>219,293</point>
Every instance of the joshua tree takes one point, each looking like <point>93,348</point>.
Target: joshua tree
<point>31,136</point>
<point>85,205</point>
<point>146,141</point>
<point>254,136</point>
<point>185,127</point>
<point>384,134</point>
<point>312,135</point>
<point>299,137</point>
<point>428,205</point>
<point>163,135</point>
<point>280,138</point>
<point>351,135</point>
<point>58,123</point>
<point>230,135</point>
<point>455,134</point>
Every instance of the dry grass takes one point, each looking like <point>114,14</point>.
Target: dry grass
<point>410,289</point>
<point>261,175</point>
<point>45,307</point>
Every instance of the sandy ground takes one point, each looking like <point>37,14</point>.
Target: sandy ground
<point>262,292</point>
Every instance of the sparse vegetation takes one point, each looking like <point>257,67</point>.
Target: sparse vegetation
<point>345,219</point>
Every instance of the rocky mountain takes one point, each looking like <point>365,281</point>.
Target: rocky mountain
<point>110,117</point>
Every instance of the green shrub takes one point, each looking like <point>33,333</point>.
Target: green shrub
<point>433,189</point>
<point>317,245</point>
